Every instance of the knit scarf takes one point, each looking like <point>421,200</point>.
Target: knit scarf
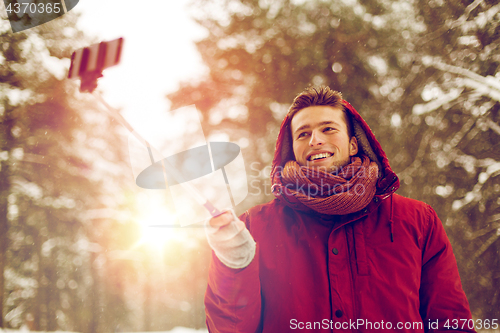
<point>348,190</point>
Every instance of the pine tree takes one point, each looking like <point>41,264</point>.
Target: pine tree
<point>62,157</point>
<point>452,114</point>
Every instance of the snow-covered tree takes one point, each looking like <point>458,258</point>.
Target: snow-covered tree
<point>61,159</point>
<point>448,128</point>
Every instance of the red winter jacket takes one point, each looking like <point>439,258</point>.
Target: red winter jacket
<point>331,273</point>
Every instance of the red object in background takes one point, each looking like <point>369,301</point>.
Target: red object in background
<point>88,63</point>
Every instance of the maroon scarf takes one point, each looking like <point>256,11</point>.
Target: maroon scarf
<point>348,190</point>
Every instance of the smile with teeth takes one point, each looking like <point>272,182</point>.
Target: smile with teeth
<point>319,156</point>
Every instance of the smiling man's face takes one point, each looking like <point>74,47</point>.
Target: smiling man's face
<point>320,138</point>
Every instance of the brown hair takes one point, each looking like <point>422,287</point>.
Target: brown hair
<point>323,95</point>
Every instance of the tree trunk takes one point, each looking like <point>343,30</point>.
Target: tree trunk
<point>495,302</point>
<point>95,305</point>
<point>52,293</point>
<point>6,142</point>
<point>3,247</point>
<point>37,310</point>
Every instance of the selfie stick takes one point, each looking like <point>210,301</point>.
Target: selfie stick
<point>87,64</point>
<point>193,191</point>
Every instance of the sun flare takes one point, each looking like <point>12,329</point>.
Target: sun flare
<point>158,227</point>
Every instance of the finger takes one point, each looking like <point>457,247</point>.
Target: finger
<point>221,220</point>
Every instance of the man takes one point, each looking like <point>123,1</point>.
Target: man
<point>337,250</point>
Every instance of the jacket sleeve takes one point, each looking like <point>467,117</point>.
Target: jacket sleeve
<point>443,304</point>
<point>233,297</point>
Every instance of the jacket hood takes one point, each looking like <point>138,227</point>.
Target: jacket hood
<point>388,181</point>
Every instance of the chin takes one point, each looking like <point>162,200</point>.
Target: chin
<point>336,166</point>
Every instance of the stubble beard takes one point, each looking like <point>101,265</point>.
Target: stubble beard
<point>337,166</point>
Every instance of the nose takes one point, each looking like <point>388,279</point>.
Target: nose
<point>316,139</point>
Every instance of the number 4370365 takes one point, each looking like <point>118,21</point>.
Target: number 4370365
<point>471,324</point>
<point>23,8</point>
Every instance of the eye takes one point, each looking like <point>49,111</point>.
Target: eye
<point>302,135</point>
<point>328,129</point>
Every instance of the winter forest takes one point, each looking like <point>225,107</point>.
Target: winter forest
<point>424,74</point>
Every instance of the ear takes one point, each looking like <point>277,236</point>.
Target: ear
<point>353,146</point>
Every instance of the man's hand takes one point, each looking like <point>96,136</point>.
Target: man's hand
<point>230,239</point>
<point>221,220</point>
